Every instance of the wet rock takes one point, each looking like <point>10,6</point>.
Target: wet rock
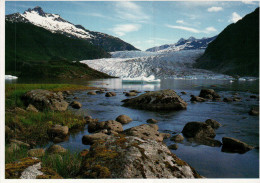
<point>234,145</point>
<point>227,100</point>
<point>145,131</point>
<point>237,99</point>
<point>209,94</point>
<point>254,111</point>
<point>152,121</point>
<point>75,98</point>
<point>45,100</point>
<point>124,119</point>
<point>132,157</point>
<point>110,94</point>
<point>198,130</point>
<point>197,99</point>
<point>165,135</point>
<point>67,92</point>
<point>100,91</point>
<point>113,93</point>
<point>130,94</point>
<point>177,138</point>
<point>157,100</point>
<point>56,149</point>
<point>91,93</point>
<point>75,105</point>
<point>173,146</point>
<point>93,126</point>
<point>135,91</point>
<point>90,139</point>
<point>213,123</point>
<point>183,93</point>
<point>109,125</point>
<point>36,152</point>
<point>254,96</point>
<point>205,141</point>
<point>60,139</point>
<point>31,108</point>
<point>58,130</point>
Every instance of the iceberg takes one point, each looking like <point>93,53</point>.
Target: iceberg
<point>10,77</point>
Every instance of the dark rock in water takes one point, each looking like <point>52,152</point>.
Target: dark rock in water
<point>206,141</point>
<point>183,92</point>
<point>45,100</point>
<point>158,100</point>
<point>234,145</point>
<point>197,99</point>
<point>90,139</point>
<point>227,100</point>
<point>254,111</point>
<point>75,105</point>
<point>59,139</point>
<point>58,131</point>
<point>75,98</point>
<point>93,126</point>
<point>110,125</point>
<point>237,99</point>
<point>254,96</point>
<point>153,121</point>
<point>124,119</point>
<point>145,131</point>
<point>91,93</point>
<point>177,138</point>
<point>132,157</point>
<point>198,130</point>
<point>208,94</point>
<point>125,100</point>
<point>213,123</point>
<point>110,94</point>
<point>165,135</point>
<point>135,91</point>
<point>173,146</point>
<point>130,94</point>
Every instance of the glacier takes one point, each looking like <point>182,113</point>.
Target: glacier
<point>133,65</point>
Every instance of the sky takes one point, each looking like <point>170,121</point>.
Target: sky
<point>146,24</point>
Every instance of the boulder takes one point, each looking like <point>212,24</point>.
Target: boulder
<point>234,145</point>
<point>198,130</point>
<point>227,99</point>
<point>19,143</point>
<point>45,100</point>
<point>157,100</point>
<point>132,157</point>
<point>75,105</point>
<point>208,94</point>
<point>145,131</point>
<point>183,93</point>
<point>130,94</point>
<point>135,91</point>
<point>205,141</point>
<point>91,93</point>
<point>31,108</point>
<point>173,146</point>
<point>67,92</point>
<point>93,126</point>
<point>152,121</point>
<point>109,125</point>
<point>36,152</point>
<point>124,119</point>
<point>254,111</point>
<point>58,130</point>
<point>197,99</point>
<point>165,135</point>
<point>110,94</point>
<point>177,138</point>
<point>90,139</point>
<point>56,149</point>
<point>213,123</point>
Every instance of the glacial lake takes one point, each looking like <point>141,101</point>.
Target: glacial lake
<point>210,162</point>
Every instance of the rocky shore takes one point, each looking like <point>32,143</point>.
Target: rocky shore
<point>137,152</point>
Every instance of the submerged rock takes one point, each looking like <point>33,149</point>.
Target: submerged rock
<point>177,138</point>
<point>45,100</point>
<point>91,93</point>
<point>90,139</point>
<point>197,99</point>
<point>132,157</point>
<point>124,119</point>
<point>209,94</point>
<point>227,100</point>
<point>234,145</point>
<point>157,100</point>
<point>153,121</point>
<point>254,111</point>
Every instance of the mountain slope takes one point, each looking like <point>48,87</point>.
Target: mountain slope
<point>184,44</point>
<point>29,46</point>
<point>236,49</point>
<point>56,24</point>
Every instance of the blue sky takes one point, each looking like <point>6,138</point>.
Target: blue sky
<point>146,24</point>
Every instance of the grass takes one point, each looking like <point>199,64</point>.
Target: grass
<point>16,155</point>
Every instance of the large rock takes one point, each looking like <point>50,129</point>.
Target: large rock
<point>124,119</point>
<point>56,149</point>
<point>132,157</point>
<point>152,121</point>
<point>234,145</point>
<point>197,99</point>
<point>58,130</point>
<point>198,130</point>
<point>209,94</point>
<point>130,94</point>
<point>91,93</point>
<point>158,100</point>
<point>110,125</point>
<point>31,108</point>
<point>36,152</point>
<point>145,131</point>
<point>177,138</point>
<point>90,139</point>
<point>45,100</point>
<point>213,123</point>
<point>76,104</point>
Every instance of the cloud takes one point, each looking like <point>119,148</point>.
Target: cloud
<point>193,30</point>
<point>235,17</point>
<point>130,11</point>
<point>122,29</point>
<point>248,2</point>
<point>215,9</point>
<point>180,21</point>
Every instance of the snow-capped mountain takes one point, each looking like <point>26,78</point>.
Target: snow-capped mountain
<point>184,44</point>
<point>56,24</point>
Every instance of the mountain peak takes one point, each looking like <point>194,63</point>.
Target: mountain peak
<point>38,10</point>
<point>180,40</point>
<point>191,38</point>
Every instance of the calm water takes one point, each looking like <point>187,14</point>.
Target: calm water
<point>208,161</point>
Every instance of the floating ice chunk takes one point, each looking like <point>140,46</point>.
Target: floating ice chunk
<point>10,77</point>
